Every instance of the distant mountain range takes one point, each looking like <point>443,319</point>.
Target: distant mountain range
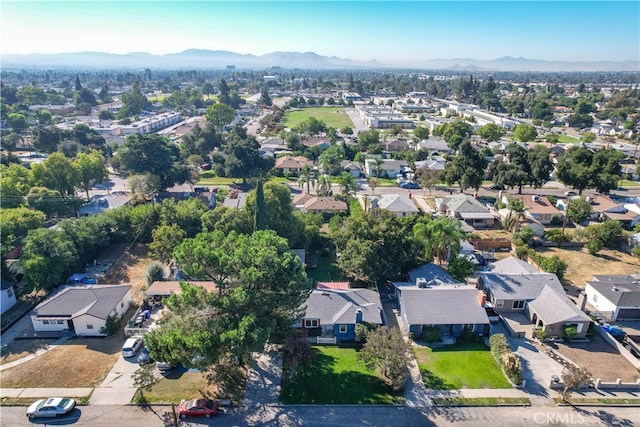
<point>219,59</point>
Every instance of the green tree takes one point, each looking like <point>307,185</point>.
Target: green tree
<point>91,168</point>
<point>540,165</point>
<point>491,132</point>
<point>263,296</point>
<point>387,352</point>
<point>421,133</point>
<point>133,103</point>
<point>306,176</point>
<point>579,210</point>
<point>48,256</point>
<point>574,378</point>
<point>265,98</point>
<point>155,272</point>
<point>224,92</point>
<point>260,218</point>
<point>348,185</point>
<point>467,168</point>
<point>428,178</point>
<point>242,158</point>
<point>439,238</point>
<point>460,268</point>
<point>56,173</point>
<point>588,137</point>
<point>220,115</point>
<point>165,239</point>
<point>17,122</point>
<point>524,132</point>
<point>454,133</point>
<point>144,187</point>
<point>152,154</point>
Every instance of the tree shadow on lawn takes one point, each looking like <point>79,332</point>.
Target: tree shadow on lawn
<point>320,384</point>
<point>434,382</point>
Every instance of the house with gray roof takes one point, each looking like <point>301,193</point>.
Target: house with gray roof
<point>7,296</point>
<point>433,298</point>
<point>467,208</point>
<point>533,300</point>
<point>399,204</point>
<point>336,312</point>
<point>81,310</point>
<point>511,265</point>
<point>615,297</point>
<point>103,203</point>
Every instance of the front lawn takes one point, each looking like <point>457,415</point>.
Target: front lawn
<point>566,139</point>
<point>326,270</point>
<point>331,116</point>
<point>178,385</point>
<point>463,365</point>
<point>337,377</point>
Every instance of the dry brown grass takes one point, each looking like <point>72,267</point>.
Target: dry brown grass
<point>582,266</point>
<point>18,349</point>
<point>79,362</point>
<point>130,266</point>
<point>600,359</point>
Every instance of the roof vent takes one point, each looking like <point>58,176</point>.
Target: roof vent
<point>614,289</point>
<point>421,282</point>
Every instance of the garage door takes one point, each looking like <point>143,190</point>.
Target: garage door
<point>628,313</point>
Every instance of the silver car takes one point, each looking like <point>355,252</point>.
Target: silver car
<point>51,407</point>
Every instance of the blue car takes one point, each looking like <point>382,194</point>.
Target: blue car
<point>410,185</point>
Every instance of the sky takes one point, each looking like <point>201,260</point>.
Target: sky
<point>387,31</point>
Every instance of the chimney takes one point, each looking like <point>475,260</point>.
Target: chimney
<point>482,298</point>
<point>582,300</point>
<point>358,316</point>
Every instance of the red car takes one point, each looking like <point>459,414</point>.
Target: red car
<point>197,408</point>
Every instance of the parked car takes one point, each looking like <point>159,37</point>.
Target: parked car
<point>144,357</point>
<point>51,407</point>
<point>197,408</point>
<point>497,187</point>
<point>570,193</point>
<point>165,366</point>
<point>131,346</point>
<point>410,185</point>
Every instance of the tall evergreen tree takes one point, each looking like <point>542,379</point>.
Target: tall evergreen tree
<point>78,85</point>
<point>260,219</point>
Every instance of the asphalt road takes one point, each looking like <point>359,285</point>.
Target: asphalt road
<point>344,415</point>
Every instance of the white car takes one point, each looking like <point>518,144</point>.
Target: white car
<point>131,346</point>
<point>51,407</point>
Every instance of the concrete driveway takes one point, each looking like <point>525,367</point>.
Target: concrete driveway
<point>117,388</point>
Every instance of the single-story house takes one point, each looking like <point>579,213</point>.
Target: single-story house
<point>615,297</point>
<point>467,208</point>
<point>7,296</point>
<point>400,204</point>
<point>539,297</point>
<point>396,145</point>
<point>103,203</point>
<point>352,167</point>
<point>388,168</point>
<point>305,202</point>
<point>335,312</point>
<point>291,164</point>
<point>317,141</point>
<point>433,298</point>
<point>537,207</point>
<point>82,310</point>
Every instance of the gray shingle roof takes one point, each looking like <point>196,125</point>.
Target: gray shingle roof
<point>512,265</point>
<point>433,273</point>
<point>438,306</point>
<point>621,293</point>
<point>334,306</point>
<point>72,301</point>
<point>463,203</point>
<point>520,286</point>
<point>552,307</point>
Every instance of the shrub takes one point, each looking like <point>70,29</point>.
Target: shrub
<point>512,367</point>
<point>570,331</point>
<point>540,334</point>
<point>362,329</point>
<point>593,246</point>
<point>636,252</point>
<point>499,345</point>
<point>111,325</point>
<point>554,265</point>
<point>155,272</point>
<point>431,334</point>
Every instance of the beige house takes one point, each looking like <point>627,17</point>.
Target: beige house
<point>291,164</point>
<point>323,205</point>
<point>537,207</point>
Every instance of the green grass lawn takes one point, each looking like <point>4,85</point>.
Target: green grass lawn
<point>627,183</point>
<point>176,386</point>
<point>566,139</point>
<point>463,365</point>
<point>337,377</point>
<point>332,116</point>
<point>327,270</point>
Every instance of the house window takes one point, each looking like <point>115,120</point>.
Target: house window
<point>121,304</point>
<point>45,322</point>
<point>343,329</point>
<point>60,322</point>
<point>468,326</point>
<point>311,323</point>
<point>9,293</point>
<point>89,326</point>
<point>499,303</point>
<point>518,304</point>
<point>595,298</point>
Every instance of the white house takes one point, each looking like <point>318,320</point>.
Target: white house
<point>615,297</point>
<point>7,296</point>
<point>82,310</point>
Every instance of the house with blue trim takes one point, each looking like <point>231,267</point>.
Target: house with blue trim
<point>336,312</point>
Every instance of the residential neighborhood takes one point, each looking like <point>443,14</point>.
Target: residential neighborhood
<point>316,240</point>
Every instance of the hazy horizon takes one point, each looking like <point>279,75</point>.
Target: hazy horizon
<point>386,31</point>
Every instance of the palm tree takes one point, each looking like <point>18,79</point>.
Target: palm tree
<point>348,185</point>
<point>373,183</point>
<point>440,238</point>
<point>324,185</point>
<point>378,166</point>
<point>305,176</point>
